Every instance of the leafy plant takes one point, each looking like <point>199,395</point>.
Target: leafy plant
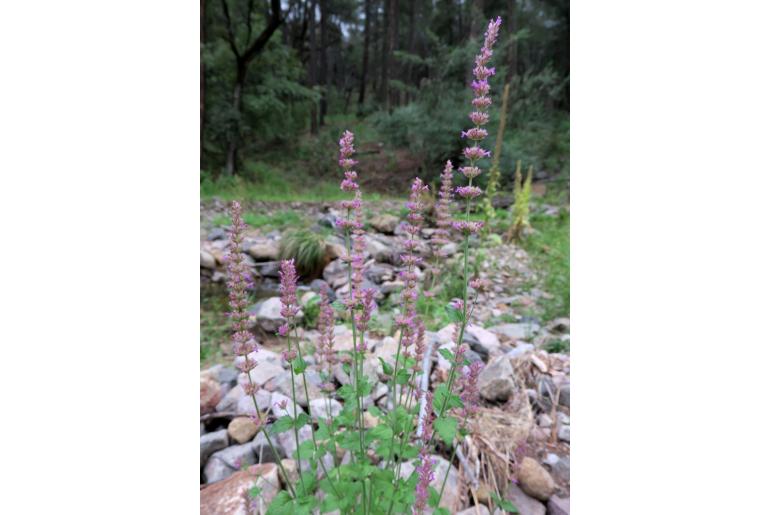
<point>520,208</point>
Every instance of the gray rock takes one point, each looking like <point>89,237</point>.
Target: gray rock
<point>379,272</point>
<point>245,405</point>
<point>389,287</point>
<point>520,350</point>
<point>378,250</point>
<point>207,260</point>
<point>268,314</point>
<point>282,384</point>
<point>336,273</point>
<point>482,510</point>
<point>217,233</point>
<point>287,444</point>
<point>262,450</point>
<point>277,400</point>
<point>319,408</point>
<point>224,463</point>
<point>230,401</point>
<point>228,376</point>
<point>543,420</point>
<point>319,285</point>
<point>559,326</point>
<point>496,380</point>
<point>560,469</point>
<point>265,371</point>
<point>484,342</point>
<point>564,433</point>
<point>535,480</point>
<point>448,249</point>
<point>558,506</point>
<point>564,395</point>
<point>524,503</point>
<point>213,442</point>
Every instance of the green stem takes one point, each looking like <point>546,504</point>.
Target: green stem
<point>296,431</point>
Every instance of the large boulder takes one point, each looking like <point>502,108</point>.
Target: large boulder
<point>535,480</point>
<point>231,496</point>
<point>496,380</point>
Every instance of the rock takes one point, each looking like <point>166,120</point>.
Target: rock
<point>262,449</point>
<point>558,506</point>
<point>343,338</point>
<point>287,444</point>
<point>265,371</point>
<point>241,429</point>
<point>563,433</point>
<point>378,250</point>
<point>207,260</point>
<point>564,395</point>
<point>543,420</point>
<point>228,376</point>
<point>516,331</point>
<point>452,492</point>
<point>559,326</point>
<point>496,380</point>
<point>211,443</point>
<point>485,342</point>
<point>245,404</point>
<point>224,463</point>
<point>560,469</point>
<point>231,496</point>
<point>448,249</point>
<point>384,223</point>
<point>282,384</point>
<point>264,251</point>
<point>319,285</point>
<point>379,272</point>
<point>217,233</point>
<point>482,510</point>
<point>230,401</point>
<point>268,314</point>
<point>211,394</point>
<point>336,273</point>
<point>521,349</point>
<point>290,466</point>
<point>535,480</point>
<point>335,250</point>
<point>319,408</point>
<point>275,403</point>
<point>524,503</point>
<point>389,287</point>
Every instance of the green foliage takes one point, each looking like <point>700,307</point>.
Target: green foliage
<point>520,208</point>
<point>306,248</point>
<point>549,249</point>
<point>311,310</point>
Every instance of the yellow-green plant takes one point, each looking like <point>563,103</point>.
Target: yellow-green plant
<point>520,208</point>
<point>494,171</point>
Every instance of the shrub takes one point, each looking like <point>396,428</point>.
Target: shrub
<point>307,249</point>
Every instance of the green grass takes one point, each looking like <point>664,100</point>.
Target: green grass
<point>277,220</point>
<point>214,324</point>
<point>549,249</point>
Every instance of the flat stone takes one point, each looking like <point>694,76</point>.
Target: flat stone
<point>384,223</point>
<point>486,342</point>
<point>535,480</point>
<point>245,404</point>
<point>268,314</point>
<point>496,380</point>
<point>265,371</point>
<point>262,449</point>
<point>282,384</point>
<point>241,429</point>
<point>211,443</point>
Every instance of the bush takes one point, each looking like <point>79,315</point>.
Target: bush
<point>307,249</point>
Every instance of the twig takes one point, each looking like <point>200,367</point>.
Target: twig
<point>474,481</point>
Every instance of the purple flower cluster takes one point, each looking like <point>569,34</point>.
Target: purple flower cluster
<point>326,330</point>
<point>425,475</point>
<point>440,236</point>
<point>238,279</point>
<point>289,306</point>
<point>467,385</point>
<point>408,321</point>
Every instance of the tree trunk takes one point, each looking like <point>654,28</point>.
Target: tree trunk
<point>384,61</point>
<point>365,64</point>
<point>513,49</point>
<point>312,65</point>
<point>323,76</point>
<point>232,147</point>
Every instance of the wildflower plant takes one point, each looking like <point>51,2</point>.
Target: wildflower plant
<point>354,460</point>
<point>522,191</point>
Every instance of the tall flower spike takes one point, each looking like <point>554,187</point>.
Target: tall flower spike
<point>425,475</point>
<point>408,321</point>
<point>289,306</point>
<point>481,102</point>
<point>326,330</point>
<point>238,279</point>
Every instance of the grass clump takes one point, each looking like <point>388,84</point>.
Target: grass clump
<point>307,249</point>
<point>548,247</point>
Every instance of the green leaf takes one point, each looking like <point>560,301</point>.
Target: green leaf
<point>441,395</point>
<point>254,491</point>
<point>299,365</point>
<point>504,504</point>
<point>447,354</point>
<point>374,410</point>
<point>302,419</point>
<point>441,511</point>
<point>446,427</point>
<point>284,423</point>
<point>305,450</point>
<point>386,368</point>
<point>402,377</point>
<point>282,504</point>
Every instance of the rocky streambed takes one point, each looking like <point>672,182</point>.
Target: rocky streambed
<point>519,441</point>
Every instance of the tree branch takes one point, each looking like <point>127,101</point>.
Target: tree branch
<point>264,37</point>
